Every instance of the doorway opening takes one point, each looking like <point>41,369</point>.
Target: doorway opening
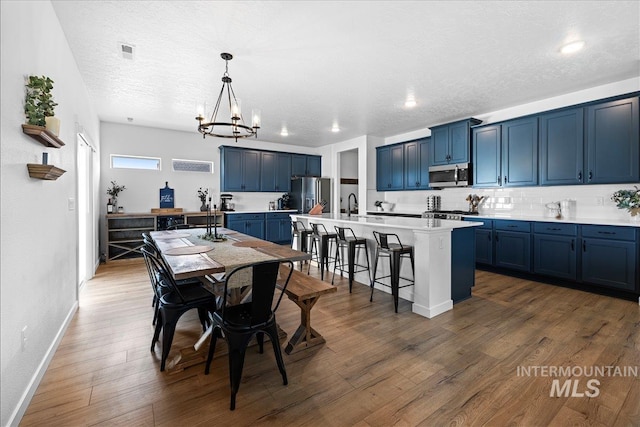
<point>348,176</point>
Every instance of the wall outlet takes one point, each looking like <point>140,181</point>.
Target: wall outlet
<point>23,339</point>
<point>599,201</point>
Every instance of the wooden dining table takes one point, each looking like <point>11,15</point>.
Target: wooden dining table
<point>188,255</point>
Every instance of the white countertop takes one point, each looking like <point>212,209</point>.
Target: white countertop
<point>421,224</point>
<point>261,211</point>
<point>587,221</point>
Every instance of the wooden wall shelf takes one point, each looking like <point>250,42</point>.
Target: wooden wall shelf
<point>42,135</point>
<point>48,172</point>
<point>352,181</point>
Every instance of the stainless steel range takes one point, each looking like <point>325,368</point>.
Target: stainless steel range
<point>451,215</point>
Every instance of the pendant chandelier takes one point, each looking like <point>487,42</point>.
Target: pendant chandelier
<point>231,123</point>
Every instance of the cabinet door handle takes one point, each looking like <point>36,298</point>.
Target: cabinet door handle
<point>497,237</point>
<point>572,245</point>
<point>512,226</point>
<point>505,180</point>
<point>590,175</point>
<point>607,232</point>
<point>584,246</point>
<point>499,180</point>
<point>554,229</point>
<point>580,176</point>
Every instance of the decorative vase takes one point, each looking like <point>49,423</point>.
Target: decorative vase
<point>635,214</point>
<point>203,208</point>
<point>52,125</point>
<point>114,201</point>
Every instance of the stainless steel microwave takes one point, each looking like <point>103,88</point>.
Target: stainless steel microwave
<point>455,175</point>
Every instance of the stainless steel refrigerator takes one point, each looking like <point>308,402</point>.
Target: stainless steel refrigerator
<point>307,191</point>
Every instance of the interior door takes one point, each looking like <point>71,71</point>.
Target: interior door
<point>86,234</point>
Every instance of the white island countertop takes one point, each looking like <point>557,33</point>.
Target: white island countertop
<point>416,224</point>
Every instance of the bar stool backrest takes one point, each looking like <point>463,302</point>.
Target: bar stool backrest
<point>298,226</point>
<point>317,229</point>
<point>343,231</point>
<point>382,239</point>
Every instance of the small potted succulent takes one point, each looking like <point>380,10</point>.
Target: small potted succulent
<point>39,105</point>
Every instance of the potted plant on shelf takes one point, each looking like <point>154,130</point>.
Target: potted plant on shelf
<point>113,191</point>
<point>202,195</point>
<point>39,104</point>
<point>629,200</point>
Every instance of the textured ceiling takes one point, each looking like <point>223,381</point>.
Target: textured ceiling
<point>307,65</point>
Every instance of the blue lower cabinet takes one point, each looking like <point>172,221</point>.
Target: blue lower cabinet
<point>462,263</point>
<point>484,242</point>
<point>278,228</point>
<point>555,250</point>
<point>512,240</point>
<point>250,224</point>
<point>609,256</point>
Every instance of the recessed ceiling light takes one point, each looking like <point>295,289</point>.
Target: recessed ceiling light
<point>335,128</point>
<point>410,102</point>
<point>572,47</point>
<point>284,132</point>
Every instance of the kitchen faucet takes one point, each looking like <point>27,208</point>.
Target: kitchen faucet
<point>355,203</point>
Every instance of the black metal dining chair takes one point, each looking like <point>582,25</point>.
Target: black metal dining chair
<point>252,316</point>
<point>174,302</point>
<point>388,245</point>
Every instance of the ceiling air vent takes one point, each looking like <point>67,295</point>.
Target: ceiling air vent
<point>127,50</point>
<point>180,165</point>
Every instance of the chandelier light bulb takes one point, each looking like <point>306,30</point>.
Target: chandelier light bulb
<point>256,117</point>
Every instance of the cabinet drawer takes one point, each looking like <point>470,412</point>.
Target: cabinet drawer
<point>486,223</point>
<point>244,217</point>
<point>557,229</point>
<point>513,225</point>
<point>609,232</point>
<point>277,215</point>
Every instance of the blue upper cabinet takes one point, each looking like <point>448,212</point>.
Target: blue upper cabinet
<point>520,152</point>
<point>416,164</point>
<point>561,142</point>
<point>239,169</point>
<point>506,155</point>
<point>487,170</point>
<point>275,171</point>
<point>613,142</point>
<point>390,167</point>
<point>306,165</point>
<point>451,143</point>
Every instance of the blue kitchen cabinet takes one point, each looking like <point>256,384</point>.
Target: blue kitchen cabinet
<point>613,142</point>
<point>555,250</point>
<point>240,169</point>
<point>390,167</point>
<point>250,224</point>
<point>520,152</point>
<point>278,227</point>
<point>609,256</point>
<point>416,164</point>
<point>451,143</point>
<point>561,144</point>
<point>512,242</point>
<point>484,241</point>
<point>487,170</point>
<point>306,165</point>
<point>275,171</point>
<point>506,154</point>
<point>463,264</point>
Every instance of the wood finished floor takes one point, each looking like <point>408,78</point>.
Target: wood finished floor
<point>377,368</point>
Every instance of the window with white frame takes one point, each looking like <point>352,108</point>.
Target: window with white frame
<point>119,161</point>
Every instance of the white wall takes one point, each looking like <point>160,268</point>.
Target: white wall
<point>524,200</point>
<point>38,270</point>
<point>142,187</point>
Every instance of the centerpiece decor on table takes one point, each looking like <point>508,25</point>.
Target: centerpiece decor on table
<point>202,195</point>
<point>629,200</point>
<point>113,191</point>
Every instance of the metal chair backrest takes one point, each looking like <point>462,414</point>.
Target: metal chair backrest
<point>382,239</point>
<point>160,272</point>
<point>343,231</point>
<point>262,280</point>
<point>316,228</point>
<point>298,226</point>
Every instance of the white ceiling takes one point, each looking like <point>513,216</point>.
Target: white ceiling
<point>307,64</point>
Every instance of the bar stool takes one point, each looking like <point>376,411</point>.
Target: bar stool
<point>347,239</point>
<point>395,252</point>
<point>300,240</point>
<point>320,240</point>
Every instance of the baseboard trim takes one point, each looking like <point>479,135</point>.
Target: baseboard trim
<point>23,404</point>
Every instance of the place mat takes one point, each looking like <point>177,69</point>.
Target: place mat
<point>252,244</point>
<point>188,250</point>
<point>171,236</point>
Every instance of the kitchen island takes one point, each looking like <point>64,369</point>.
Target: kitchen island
<point>444,255</point>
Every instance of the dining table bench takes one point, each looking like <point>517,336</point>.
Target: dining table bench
<point>304,291</point>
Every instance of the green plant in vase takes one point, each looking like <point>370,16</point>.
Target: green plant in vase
<point>39,102</point>
<point>113,191</point>
<point>629,200</point>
